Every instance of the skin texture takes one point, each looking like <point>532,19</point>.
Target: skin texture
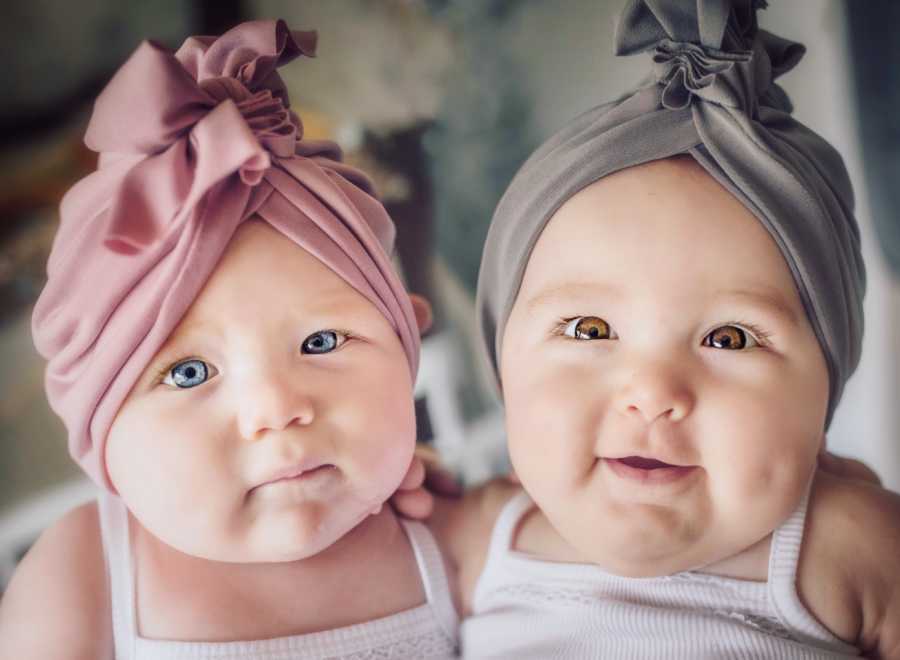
<point>661,259</point>
<point>750,421</point>
<point>218,556</point>
<point>268,408</point>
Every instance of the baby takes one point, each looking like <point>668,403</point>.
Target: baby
<point>671,295</point>
<point>233,356</point>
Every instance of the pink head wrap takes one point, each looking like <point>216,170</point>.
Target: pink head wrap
<point>191,145</point>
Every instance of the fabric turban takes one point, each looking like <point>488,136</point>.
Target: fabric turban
<point>711,94</point>
<point>191,145</point>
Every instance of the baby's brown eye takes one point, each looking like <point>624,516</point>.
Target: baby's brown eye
<point>729,337</point>
<point>588,327</point>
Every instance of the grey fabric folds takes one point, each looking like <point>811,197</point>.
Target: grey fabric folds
<point>712,95</point>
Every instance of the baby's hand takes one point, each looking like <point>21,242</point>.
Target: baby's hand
<point>414,498</point>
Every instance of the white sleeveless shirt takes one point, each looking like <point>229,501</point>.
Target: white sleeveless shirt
<point>524,607</point>
<point>427,631</point>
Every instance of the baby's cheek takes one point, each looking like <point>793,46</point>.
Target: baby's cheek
<point>548,435</point>
<point>378,475</point>
<point>382,453</point>
<point>555,394</point>
<point>764,483</point>
<point>524,426</point>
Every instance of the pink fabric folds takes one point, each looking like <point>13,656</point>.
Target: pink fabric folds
<point>192,144</point>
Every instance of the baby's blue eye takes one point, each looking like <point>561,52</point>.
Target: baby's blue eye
<point>189,373</point>
<point>323,341</point>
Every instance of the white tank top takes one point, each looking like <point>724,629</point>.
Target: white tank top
<point>525,607</point>
<point>427,631</point>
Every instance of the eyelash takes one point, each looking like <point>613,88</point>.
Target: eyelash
<point>762,336</point>
<point>162,372</point>
<point>165,371</point>
<point>345,334</point>
<point>559,328</point>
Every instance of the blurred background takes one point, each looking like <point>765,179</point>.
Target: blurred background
<point>441,101</point>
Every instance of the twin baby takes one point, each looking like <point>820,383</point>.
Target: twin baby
<point>670,296</point>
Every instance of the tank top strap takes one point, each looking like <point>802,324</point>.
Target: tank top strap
<point>117,552</point>
<point>784,557</point>
<point>507,521</point>
<point>434,577</point>
<point>495,569</point>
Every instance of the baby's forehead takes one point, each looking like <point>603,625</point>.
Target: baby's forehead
<point>668,183</point>
<point>670,211</point>
<point>265,273</point>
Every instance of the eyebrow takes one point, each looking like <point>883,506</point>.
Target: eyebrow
<point>335,301</point>
<point>191,331</point>
<point>174,346</point>
<point>572,291</point>
<point>766,298</point>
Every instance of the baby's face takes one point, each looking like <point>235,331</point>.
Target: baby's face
<point>665,394</point>
<point>277,416</point>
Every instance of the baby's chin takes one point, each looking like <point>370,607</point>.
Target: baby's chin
<point>331,533</point>
<point>285,540</point>
<point>639,547</point>
<point>647,550</point>
<point>286,528</point>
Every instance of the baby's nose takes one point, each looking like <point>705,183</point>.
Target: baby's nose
<point>272,401</point>
<point>655,391</point>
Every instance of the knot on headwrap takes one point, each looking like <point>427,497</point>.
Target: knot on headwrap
<point>192,144</point>
<point>189,100</point>
<point>711,49</point>
<point>276,128</point>
<point>686,69</point>
<point>712,95</point>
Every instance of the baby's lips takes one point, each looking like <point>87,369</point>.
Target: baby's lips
<point>643,463</point>
<point>291,471</point>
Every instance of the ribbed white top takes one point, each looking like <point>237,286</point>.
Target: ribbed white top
<point>427,631</point>
<point>529,608</point>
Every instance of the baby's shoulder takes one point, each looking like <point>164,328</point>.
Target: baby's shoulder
<point>56,604</point>
<point>463,527</point>
<point>849,573</point>
<point>465,522</point>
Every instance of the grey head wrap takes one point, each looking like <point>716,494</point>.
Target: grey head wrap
<point>712,95</point>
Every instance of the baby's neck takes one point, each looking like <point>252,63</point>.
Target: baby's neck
<point>536,536</point>
<point>749,564</point>
<point>369,573</point>
<point>367,540</point>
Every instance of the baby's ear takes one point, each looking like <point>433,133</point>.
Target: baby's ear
<point>422,310</point>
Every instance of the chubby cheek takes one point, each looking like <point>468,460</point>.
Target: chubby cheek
<point>157,474</point>
<point>551,416</point>
<point>376,432</point>
<point>762,466</point>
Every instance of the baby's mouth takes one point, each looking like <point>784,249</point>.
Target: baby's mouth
<point>642,463</point>
<point>643,470</point>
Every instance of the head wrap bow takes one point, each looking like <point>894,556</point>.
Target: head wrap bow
<point>711,95</point>
<point>192,144</point>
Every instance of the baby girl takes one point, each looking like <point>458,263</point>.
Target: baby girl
<point>671,298</point>
<point>233,356</point>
